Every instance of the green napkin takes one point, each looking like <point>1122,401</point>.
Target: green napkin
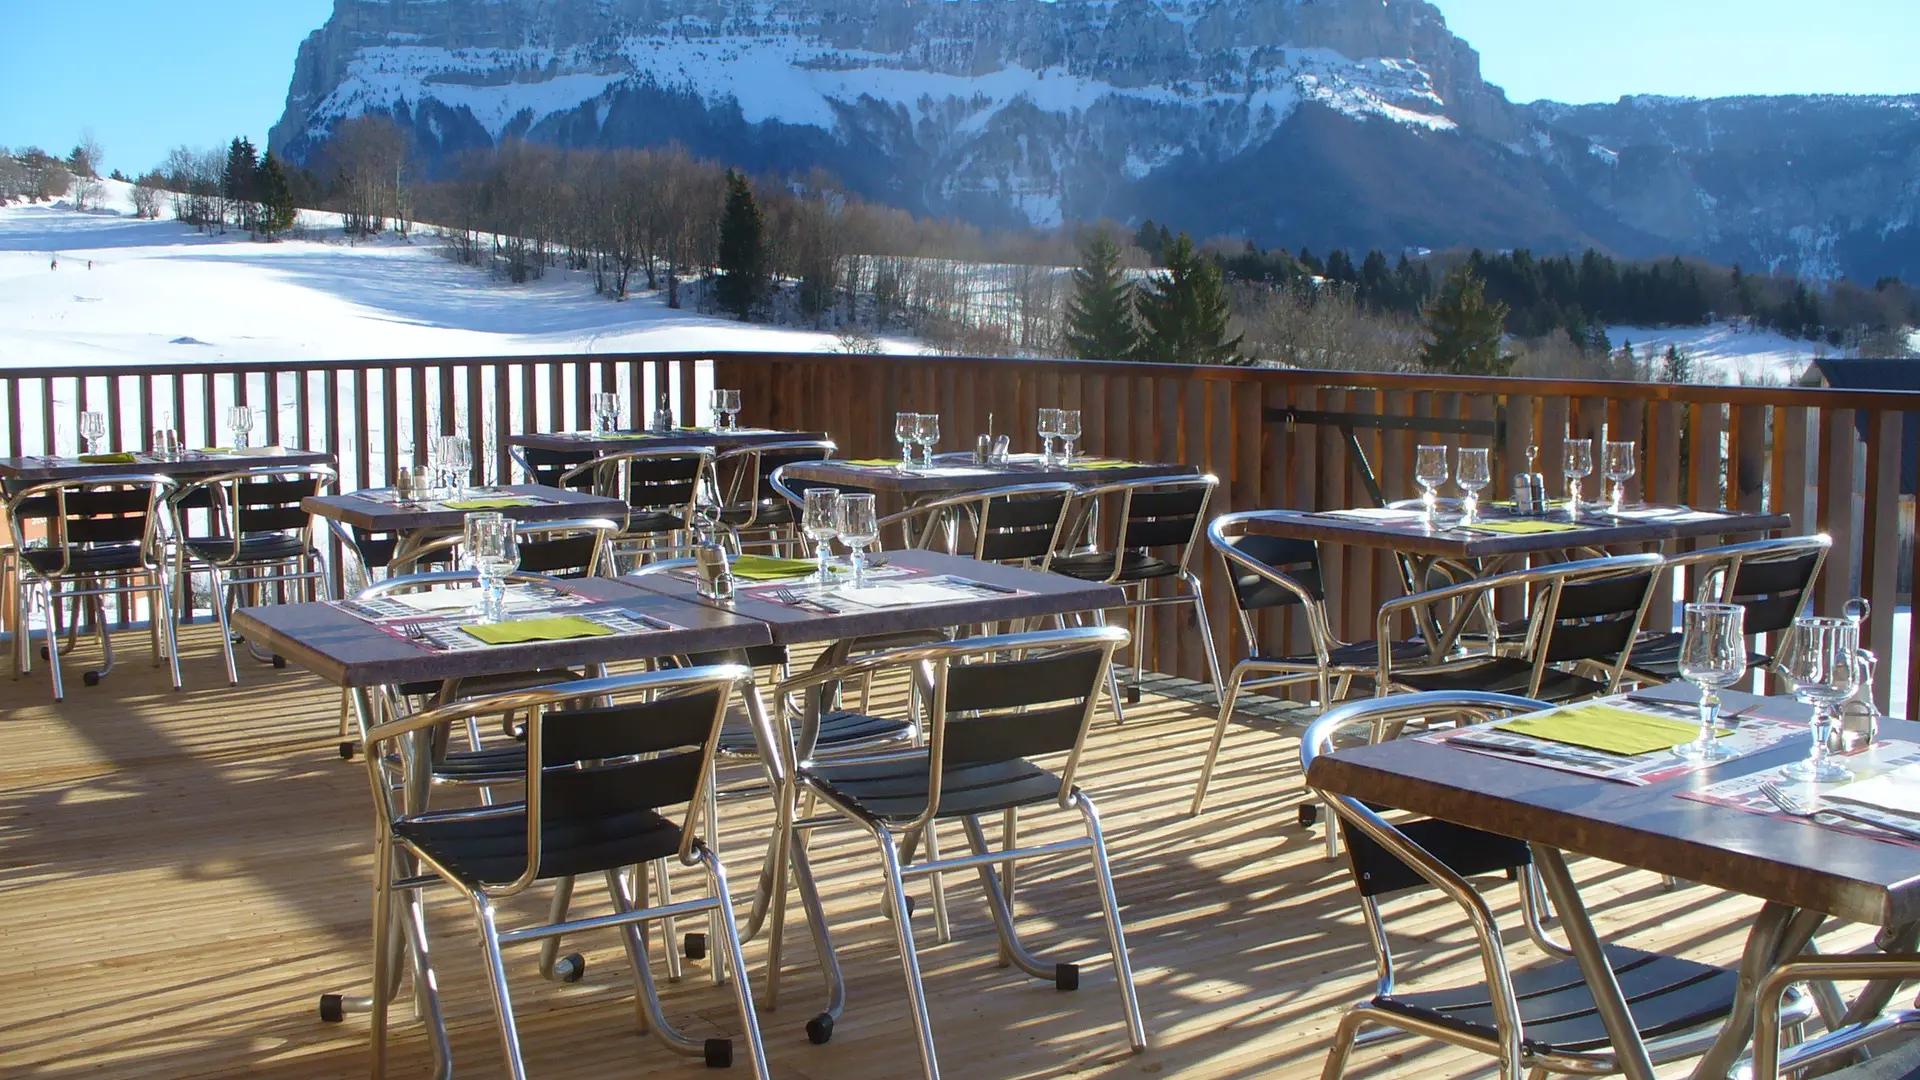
<point>630,435</point>
<point>215,450</point>
<point>870,462</point>
<point>1104,465</point>
<point>768,568</point>
<point>1524,528</point>
<point>108,459</point>
<point>485,504</point>
<point>560,628</point>
<point>1605,727</point>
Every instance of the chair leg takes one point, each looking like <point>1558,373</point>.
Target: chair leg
<point>1342,1048</point>
<point>1136,651</point>
<point>53,641</point>
<point>1116,934</point>
<point>634,934</point>
<point>550,960</point>
<point>717,959</point>
<point>728,947</point>
<point>1000,904</point>
<point>221,587</point>
<point>1227,701</point>
<point>497,976</point>
<point>169,632</point>
<point>382,955</point>
<point>669,926</point>
<point>1206,634</point>
<point>942,929</point>
<point>909,959</point>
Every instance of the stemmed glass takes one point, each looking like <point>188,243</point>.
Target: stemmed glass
<point>1048,427</point>
<point>1067,427</point>
<point>93,428</point>
<point>1619,470</point>
<point>717,402</point>
<point>456,462</point>
<point>857,526</point>
<point>1576,463</point>
<point>494,549</point>
<point>906,428</point>
<point>1430,471</point>
<point>1713,654</point>
<point>1821,663</point>
<point>606,412</point>
<point>818,521</point>
<point>730,405</point>
<point>240,421</point>
<point>1473,473</point>
<point>926,432</point>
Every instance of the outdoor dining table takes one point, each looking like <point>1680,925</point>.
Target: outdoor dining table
<point>955,473</point>
<point>721,439</point>
<point>34,469</point>
<point>348,646</point>
<point>1705,825</point>
<point>796,612</point>
<point>413,520</point>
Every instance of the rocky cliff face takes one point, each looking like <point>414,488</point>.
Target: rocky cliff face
<point>1358,123</point>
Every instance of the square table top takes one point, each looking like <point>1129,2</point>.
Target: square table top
<point>1598,529</point>
<point>1038,595</point>
<point>349,651</point>
<point>958,472</point>
<point>377,513</point>
<point>193,463</point>
<point>608,442</point>
<point>1793,862</point>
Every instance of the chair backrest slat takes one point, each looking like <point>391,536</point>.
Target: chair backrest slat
<point>547,466</point>
<point>621,758</point>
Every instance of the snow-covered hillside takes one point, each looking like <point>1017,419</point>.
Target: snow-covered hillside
<point>1725,352</point>
<point>159,292</point>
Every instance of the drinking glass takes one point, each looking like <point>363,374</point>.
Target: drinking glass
<point>1576,462</point>
<point>817,521</point>
<point>730,404</point>
<point>93,428</point>
<point>606,412</point>
<point>1430,471</point>
<point>926,432</point>
<point>717,405</point>
<point>1820,660</point>
<point>1713,654</point>
<point>1619,470</point>
<point>1068,428</point>
<point>456,459</point>
<point>906,427</point>
<point>494,549</point>
<point>240,422</point>
<point>1049,426</point>
<point>1473,474</point>
<point>855,522</point>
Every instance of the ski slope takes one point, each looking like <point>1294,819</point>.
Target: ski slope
<point>1722,352</point>
<point>159,292</point>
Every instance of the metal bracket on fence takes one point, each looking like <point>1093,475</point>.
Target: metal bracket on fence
<point>1348,422</point>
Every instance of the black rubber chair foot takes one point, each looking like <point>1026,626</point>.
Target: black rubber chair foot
<point>820,1029</point>
<point>1133,695</point>
<point>331,1009</point>
<point>279,661</point>
<point>43,652</point>
<point>570,968</point>
<point>348,749</point>
<point>695,947</point>
<point>719,1053</point>
<point>1066,976</point>
<point>1309,814</point>
<point>91,678</point>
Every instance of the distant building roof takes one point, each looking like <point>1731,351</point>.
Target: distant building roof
<point>1882,374</point>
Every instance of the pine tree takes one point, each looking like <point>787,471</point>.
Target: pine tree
<point>743,250</point>
<point>276,196</point>
<point>1100,317</point>
<point>1184,312</point>
<point>1677,366</point>
<point>1464,330</point>
<point>238,183</point>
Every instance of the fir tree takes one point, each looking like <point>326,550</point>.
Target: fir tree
<point>1464,329</point>
<point>238,183</point>
<point>1676,366</point>
<point>743,249</point>
<point>275,193</point>
<point>1100,317</point>
<point>1184,311</point>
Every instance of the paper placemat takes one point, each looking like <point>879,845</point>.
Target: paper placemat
<point>519,631</point>
<point>488,504</point>
<point>1897,790</point>
<point>1376,513</point>
<point>1869,765</point>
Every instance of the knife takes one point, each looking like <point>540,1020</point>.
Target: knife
<point>986,585</point>
<point>1522,751</point>
<point>1910,832</point>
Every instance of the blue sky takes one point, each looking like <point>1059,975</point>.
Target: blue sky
<point>146,77</point>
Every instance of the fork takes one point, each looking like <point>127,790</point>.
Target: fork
<point>1793,807</point>
<point>1784,802</point>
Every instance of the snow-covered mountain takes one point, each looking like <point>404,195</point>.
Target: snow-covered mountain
<point>1356,123</point>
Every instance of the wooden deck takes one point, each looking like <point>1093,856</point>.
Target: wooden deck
<point>185,873</point>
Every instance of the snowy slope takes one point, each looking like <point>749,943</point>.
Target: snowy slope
<point>159,292</point>
<point>1724,352</point>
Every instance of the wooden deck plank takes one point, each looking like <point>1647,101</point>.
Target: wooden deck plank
<point>184,873</point>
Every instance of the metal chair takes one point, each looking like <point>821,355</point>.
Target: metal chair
<point>1772,579</point>
<point>574,548</point>
<point>553,468</point>
<point>752,509</point>
<point>256,534</point>
<point>663,490</point>
<point>1275,573</point>
<point>1583,617</point>
<point>593,805</point>
<point>995,703</point>
<point>1536,1021</point>
<point>1018,525</point>
<point>1156,514</point>
<point>1867,1028</point>
<point>105,537</point>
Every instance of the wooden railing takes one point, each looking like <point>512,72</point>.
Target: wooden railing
<point>1796,451</point>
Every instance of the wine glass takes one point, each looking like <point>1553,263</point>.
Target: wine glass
<point>730,404</point>
<point>817,521</point>
<point>1619,470</point>
<point>93,428</point>
<point>1820,660</point>
<point>1067,426</point>
<point>606,412</point>
<point>1473,473</point>
<point>855,522</point>
<point>456,458</point>
<point>1576,463</point>
<point>1048,426</point>
<point>1713,654</point>
<point>240,421</point>
<point>494,549</point>
<point>906,427</point>
<point>1430,471</point>
<point>927,434</point>
<point>717,404</point>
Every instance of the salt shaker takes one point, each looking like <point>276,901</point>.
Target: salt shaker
<point>662,415</point>
<point>1523,494</point>
<point>716,576</point>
